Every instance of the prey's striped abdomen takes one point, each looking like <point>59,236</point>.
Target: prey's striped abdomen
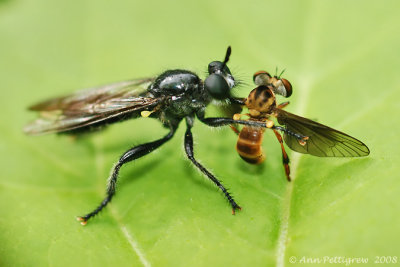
<point>249,145</point>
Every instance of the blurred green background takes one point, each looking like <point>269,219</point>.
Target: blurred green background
<point>342,58</point>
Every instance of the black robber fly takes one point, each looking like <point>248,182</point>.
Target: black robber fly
<point>171,97</point>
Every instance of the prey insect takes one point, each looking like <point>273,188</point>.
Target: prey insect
<point>173,96</point>
<point>301,134</point>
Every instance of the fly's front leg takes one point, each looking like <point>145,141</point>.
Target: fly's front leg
<point>218,122</point>
<point>238,101</point>
<point>190,154</point>
<point>132,154</point>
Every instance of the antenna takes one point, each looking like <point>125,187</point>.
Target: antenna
<point>227,55</point>
<point>281,73</point>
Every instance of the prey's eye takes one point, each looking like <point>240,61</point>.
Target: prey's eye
<point>283,87</point>
<point>261,78</point>
<point>288,87</point>
<point>217,86</point>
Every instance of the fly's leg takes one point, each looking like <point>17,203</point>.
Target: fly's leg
<point>238,101</point>
<point>218,122</point>
<point>234,128</point>
<point>285,158</point>
<point>238,116</point>
<point>283,105</point>
<point>132,154</point>
<point>190,154</point>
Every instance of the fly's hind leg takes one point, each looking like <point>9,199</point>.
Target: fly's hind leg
<point>285,158</point>
<point>132,154</point>
<point>190,155</point>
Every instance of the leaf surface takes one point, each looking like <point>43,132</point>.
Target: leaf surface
<point>341,58</point>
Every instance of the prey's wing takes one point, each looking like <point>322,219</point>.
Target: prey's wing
<point>323,141</point>
<point>91,106</point>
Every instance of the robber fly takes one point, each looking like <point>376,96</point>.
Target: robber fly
<point>171,97</point>
<point>301,135</point>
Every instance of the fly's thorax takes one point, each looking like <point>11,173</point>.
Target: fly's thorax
<point>175,82</point>
<point>260,101</point>
<point>183,105</point>
<point>183,92</point>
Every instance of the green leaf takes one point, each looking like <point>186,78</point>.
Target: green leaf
<point>342,60</point>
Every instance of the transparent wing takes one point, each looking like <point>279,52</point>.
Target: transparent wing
<point>323,141</point>
<point>91,106</point>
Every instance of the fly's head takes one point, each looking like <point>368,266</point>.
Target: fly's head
<point>279,85</point>
<point>220,80</point>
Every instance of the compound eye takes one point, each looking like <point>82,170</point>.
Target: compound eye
<point>261,78</point>
<point>288,87</point>
<point>217,86</point>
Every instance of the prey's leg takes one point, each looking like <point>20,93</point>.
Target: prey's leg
<point>285,158</point>
<point>283,105</point>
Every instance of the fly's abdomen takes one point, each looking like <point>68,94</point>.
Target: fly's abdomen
<point>249,145</point>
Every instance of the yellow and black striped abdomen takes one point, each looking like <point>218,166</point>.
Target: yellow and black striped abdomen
<point>249,145</point>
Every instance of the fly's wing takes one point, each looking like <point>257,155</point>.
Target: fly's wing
<point>91,106</point>
<point>323,141</point>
